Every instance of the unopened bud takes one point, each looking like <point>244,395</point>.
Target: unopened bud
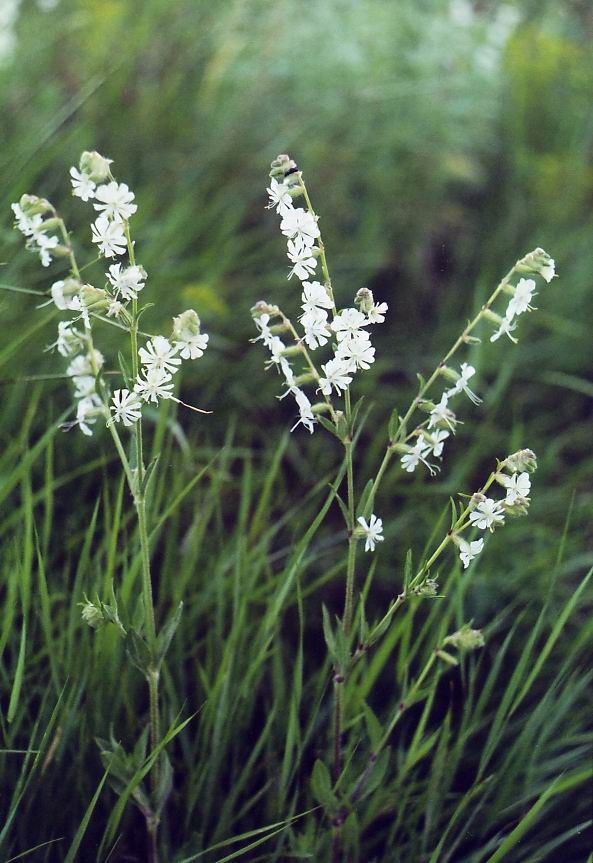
<point>95,166</point>
<point>364,300</point>
<point>94,299</point>
<point>523,459</point>
<point>538,261</point>
<point>185,325</point>
<point>92,614</point>
<point>465,638</point>
<point>31,205</point>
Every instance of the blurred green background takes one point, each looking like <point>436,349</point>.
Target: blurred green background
<point>440,141</point>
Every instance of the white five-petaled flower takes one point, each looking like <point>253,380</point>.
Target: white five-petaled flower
<point>469,550</point>
<point>27,225</point>
<point>156,384</point>
<point>519,302</point>
<point>467,372</point>
<point>315,326</point>
<point>348,323</point>
<point>115,201</point>
<point>373,531</point>
<point>300,225</point>
<point>265,334</point>
<point>315,296</point>
<point>191,345</point>
<point>376,315</point>
<point>86,364</point>
<point>442,414</point>
<point>280,198</point>
<point>127,281</point>
<point>65,299</point>
<point>82,185</point>
<point>487,514</point>
<point>302,258</point>
<point>548,270</point>
<point>506,328</point>
<point>437,442</point>
<point>160,354</point>
<point>126,407</point>
<point>86,415</point>
<point>45,245</point>
<point>109,236</point>
<point>417,453</point>
<point>518,487</point>
<point>338,374</point>
<point>306,416</point>
<point>357,351</point>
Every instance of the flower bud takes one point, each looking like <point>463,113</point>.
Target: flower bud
<point>472,340</point>
<point>95,166</point>
<point>92,614</point>
<point>282,165</point>
<point>94,299</point>
<point>364,300</point>
<point>185,325</point>
<point>428,587</point>
<point>523,459</point>
<point>320,408</point>
<point>31,205</point>
<point>264,308</point>
<point>449,374</point>
<point>465,638</point>
<point>537,261</point>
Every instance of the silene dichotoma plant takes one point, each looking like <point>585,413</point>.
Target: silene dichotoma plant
<point>322,392</point>
<point>146,377</point>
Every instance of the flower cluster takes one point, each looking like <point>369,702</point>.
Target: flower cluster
<point>160,358</point>
<point>320,320</point>
<point>29,215</point>
<point>487,513</point>
<point>427,439</point>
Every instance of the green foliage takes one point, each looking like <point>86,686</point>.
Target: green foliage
<point>436,174</point>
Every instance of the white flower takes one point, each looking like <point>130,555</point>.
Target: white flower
<point>373,531</point>
<point>307,417</point>
<point>265,334</point>
<point>84,386</point>
<point>86,415</point>
<point>27,225</point>
<point>506,328</point>
<point>69,340</point>
<point>65,296</point>
<point>519,303</point>
<point>469,550</point>
<point>115,200</point>
<point>276,346</point>
<point>115,309</point>
<point>417,454</point>
<point>160,354</point>
<point>442,414</point>
<point>437,442</point>
<point>548,270</point>
<point>192,345</point>
<point>127,281</point>
<point>467,372</point>
<point>337,374</point>
<point>348,323</point>
<point>280,198</point>
<point>303,260</point>
<point>376,315</point>
<point>487,514</point>
<point>518,486</point>
<point>126,407</point>
<point>86,364</point>
<point>298,224</point>
<point>82,185</point>
<point>109,236</point>
<point>154,385</point>
<point>315,326</point>
<point>44,246</point>
<point>357,350</point>
<point>315,296</point>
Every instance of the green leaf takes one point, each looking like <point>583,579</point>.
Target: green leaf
<point>148,474</point>
<point>321,787</point>
<point>393,426</point>
<point>138,651</point>
<point>125,370</point>
<point>329,425</point>
<point>373,725</point>
<point>407,570</point>
<point>454,516</point>
<point>18,677</point>
<point>165,783</point>
<point>166,634</point>
<point>73,850</point>
<point>364,499</point>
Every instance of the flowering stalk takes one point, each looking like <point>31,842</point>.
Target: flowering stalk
<point>152,370</point>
